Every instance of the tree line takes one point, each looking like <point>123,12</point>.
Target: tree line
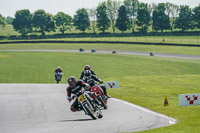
<point>129,14</point>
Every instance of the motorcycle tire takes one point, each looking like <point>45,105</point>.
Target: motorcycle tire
<point>100,114</point>
<point>90,111</point>
<point>102,102</point>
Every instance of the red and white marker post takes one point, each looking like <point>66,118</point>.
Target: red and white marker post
<point>111,84</point>
<point>189,99</point>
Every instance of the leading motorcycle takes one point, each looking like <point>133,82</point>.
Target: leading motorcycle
<point>88,105</point>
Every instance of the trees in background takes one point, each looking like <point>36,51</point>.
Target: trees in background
<point>43,22</point>
<point>132,9</point>
<point>2,21</point>
<point>160,19</point>
<point>172,12</point>
<point>143,17</point>
<point>196,16</point>
<point>22,22</point>
<point>81,20</point>
<point>160,16</point>
<point>9,20</point>
<point>103,22</point>
<point>63,21</point>
<point>122,22</point>
<point>112,10</point>
<point>92,15</point>
<point>185,19</point>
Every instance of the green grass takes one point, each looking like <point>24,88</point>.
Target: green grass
<point>143,80</point>
<point>8,31</point>
<point>146,39</point>
<point>105,46</point>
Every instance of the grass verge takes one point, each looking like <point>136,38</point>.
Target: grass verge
<point>143,80</point>
<point>104,46</point>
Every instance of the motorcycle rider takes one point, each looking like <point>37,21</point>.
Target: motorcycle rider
<point>87,67</point>
<point>90,79</point>
<point>58,69</point>
<point>73,88</point>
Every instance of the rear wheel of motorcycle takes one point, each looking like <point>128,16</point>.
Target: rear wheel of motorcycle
<point>57,81</point>
<point>90,111</point>
<point>102,102</point>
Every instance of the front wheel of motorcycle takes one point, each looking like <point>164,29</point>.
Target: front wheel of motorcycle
<point>102,102</point>
<point>90,112</point>
<point>100,114</point>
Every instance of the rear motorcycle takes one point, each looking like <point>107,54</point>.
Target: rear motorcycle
<point>99,95</point>
<point>58,77</point>
<point>88,105</point>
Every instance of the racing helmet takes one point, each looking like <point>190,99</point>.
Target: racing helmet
<point>87,73</point>
<point>71,81</point>
<point>86,67</point>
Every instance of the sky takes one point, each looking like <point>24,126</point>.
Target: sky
<point>9,7</point>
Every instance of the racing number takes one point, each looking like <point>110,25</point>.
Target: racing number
<point>81,98</point>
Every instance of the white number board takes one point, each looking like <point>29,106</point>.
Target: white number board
<point>111,84</point>
<point>189,99</point>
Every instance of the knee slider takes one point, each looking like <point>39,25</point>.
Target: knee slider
<point>73,109</point>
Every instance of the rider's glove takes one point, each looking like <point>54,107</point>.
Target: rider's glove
<point>100,82</point>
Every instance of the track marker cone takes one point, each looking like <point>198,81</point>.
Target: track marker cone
<point>166,101</point>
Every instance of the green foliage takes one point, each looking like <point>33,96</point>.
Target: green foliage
<point>172,11</point>
<point>23,22</point>
<point>196,16</point>
<point>103,22</point>
<point>92,14</point>
<point>2,21</point>
<point>112,9</point>
<point>106,19</point>
<point>81,20</point>
<point>132,9</point>
<point>9,20</point>
<point>143,18</point>
<point>63,21</point>
<point>122,21</point>
<point>184,21</point>
<point>160,19</point>
<point>43,21</point>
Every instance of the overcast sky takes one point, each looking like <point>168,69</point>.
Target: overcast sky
<point>9,7</point>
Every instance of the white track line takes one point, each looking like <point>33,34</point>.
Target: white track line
<point>171,120</point>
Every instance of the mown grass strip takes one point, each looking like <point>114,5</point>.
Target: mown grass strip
<point>145,40</point>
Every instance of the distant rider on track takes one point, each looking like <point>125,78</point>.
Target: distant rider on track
<point>58,69</point>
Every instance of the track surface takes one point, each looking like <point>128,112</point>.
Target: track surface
<point>43,108</point>
<point>119,52</point>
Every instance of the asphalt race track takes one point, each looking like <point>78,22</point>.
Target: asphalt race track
<point>43,108</point>
<point>181,56</point>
